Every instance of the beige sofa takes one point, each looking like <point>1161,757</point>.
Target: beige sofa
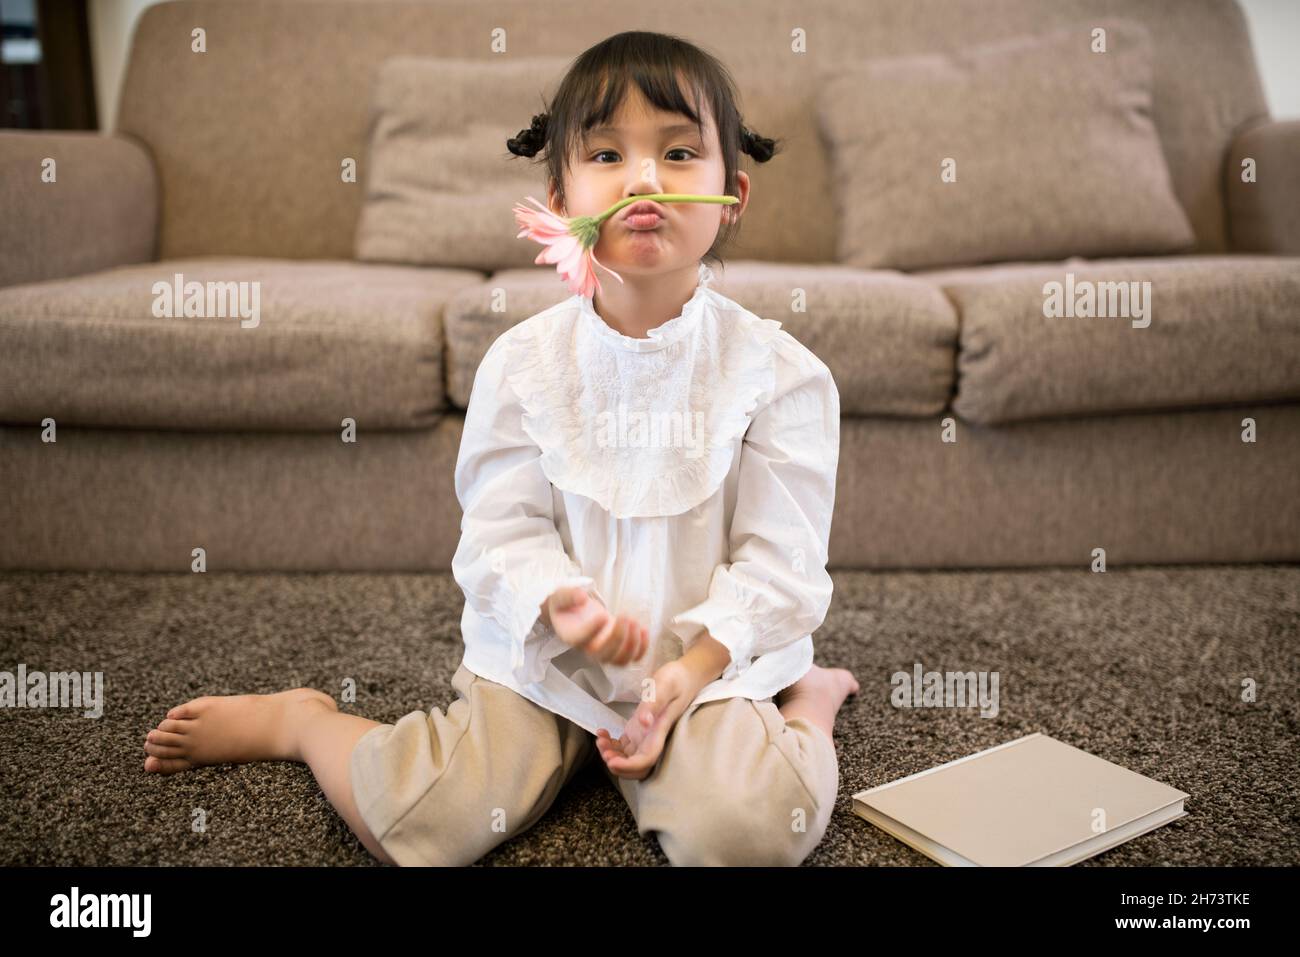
<point>176,433</point>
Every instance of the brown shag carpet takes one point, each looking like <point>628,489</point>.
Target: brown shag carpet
<point>1141,666</point>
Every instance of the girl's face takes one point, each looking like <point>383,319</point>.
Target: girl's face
<point>646,150</point>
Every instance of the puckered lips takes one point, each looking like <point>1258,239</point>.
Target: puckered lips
<point>644,214</point>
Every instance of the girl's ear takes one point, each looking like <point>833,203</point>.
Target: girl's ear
<point>742,184</point>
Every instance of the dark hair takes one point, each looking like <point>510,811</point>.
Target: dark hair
<point>594,87</point>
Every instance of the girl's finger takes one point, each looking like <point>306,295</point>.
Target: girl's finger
<point>611,639</point>
<point>632,648</point>
<point>620,760</point>
<point>633,764</point>
<point>617,639</point>
<point>631,645</point>
<point>594,646</point>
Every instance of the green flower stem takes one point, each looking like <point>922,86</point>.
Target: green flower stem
<point>666,198</point>
<point>587,228</point>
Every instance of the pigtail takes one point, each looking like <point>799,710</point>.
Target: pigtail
<point>759,147</point>
<point>529,142</point>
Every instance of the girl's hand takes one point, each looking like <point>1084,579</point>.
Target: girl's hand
<point>636,753</point>
<point>581,621</point>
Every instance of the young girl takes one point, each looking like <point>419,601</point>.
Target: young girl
<point>647,477</point>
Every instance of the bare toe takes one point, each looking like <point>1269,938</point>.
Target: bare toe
<point>166,765</point>
<point>163,750</point>
<point>169,738</point>
<point>190,709</point>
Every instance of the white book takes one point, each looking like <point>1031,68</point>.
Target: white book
<point>1034,801</point>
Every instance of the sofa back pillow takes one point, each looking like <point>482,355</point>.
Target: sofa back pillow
<point>1037,147</point>
<point>440,185</point>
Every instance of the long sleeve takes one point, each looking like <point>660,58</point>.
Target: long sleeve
<point>775,590</point>
<point>510,556</point>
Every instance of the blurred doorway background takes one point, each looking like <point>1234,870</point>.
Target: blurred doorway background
<point>46,75</point>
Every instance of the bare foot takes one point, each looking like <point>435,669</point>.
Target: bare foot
<point>828,685</point>
<point>817,697</point>
<point>221,729</point>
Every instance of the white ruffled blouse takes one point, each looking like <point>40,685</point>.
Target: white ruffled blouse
<point>687,479</point>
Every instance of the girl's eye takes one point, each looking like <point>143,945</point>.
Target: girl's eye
<point>679,149</point>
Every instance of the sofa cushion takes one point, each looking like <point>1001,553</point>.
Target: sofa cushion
<point>888,339</point>
<point>440,183</point>
<point>313,343</point>
<point>1206,331</point>
<point>1035,147</point>
<point>1263,189</point>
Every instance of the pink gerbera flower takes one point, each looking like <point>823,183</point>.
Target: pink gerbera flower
<point>571,243</point>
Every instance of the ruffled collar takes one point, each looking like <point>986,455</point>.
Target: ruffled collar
<point>661,335</point>
<point>710,370</point>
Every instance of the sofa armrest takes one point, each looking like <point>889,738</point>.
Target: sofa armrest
<point>100,210</point>
<point>1264,215</point>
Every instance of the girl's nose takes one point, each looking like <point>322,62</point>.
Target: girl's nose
<point>645,179</point>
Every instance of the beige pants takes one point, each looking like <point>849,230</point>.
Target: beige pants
<point>737,784</point>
